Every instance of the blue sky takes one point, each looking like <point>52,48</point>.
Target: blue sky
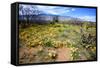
<point>88,14</point>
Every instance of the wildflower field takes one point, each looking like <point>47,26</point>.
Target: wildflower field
<point>56,42</point>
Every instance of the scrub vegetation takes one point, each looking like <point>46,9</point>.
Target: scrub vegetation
<point>56,41</point>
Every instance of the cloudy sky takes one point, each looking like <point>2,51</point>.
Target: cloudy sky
<point>88,14</point>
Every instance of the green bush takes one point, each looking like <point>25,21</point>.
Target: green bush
<point>48,42</point>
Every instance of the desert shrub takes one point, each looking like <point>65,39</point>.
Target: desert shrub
<point>52,55</point>
<point>57,25</point>
<point>92,52</point>
<point>47,55</point>
<point>88,40</point>
<point>75,55</point>
<point>48,42</point>
<point>52,22</point>
<point>24,24</point>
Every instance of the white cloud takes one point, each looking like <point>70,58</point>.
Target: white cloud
<point>52,12</point>
<point>73,9</point>
<point>88,18</point>
<point>54,9</point>
<point>67,10</point>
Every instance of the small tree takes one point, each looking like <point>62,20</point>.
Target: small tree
<point>27,12</point>
<point>55,19</point>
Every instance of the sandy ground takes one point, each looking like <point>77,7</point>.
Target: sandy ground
<point>63,54</point>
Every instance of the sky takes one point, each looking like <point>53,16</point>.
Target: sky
<point>88,14</point>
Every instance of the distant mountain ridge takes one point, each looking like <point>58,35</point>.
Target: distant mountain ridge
<point>50,17</point>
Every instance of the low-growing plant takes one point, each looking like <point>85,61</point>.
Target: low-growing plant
<point>48,42</point>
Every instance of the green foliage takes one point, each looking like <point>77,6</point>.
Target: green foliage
<point>75,55</point>
<point>48,42</point>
